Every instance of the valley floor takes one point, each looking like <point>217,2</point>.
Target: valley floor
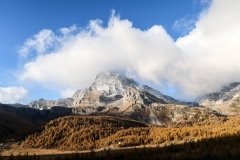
<point>15,149</point>
<point>227,147</point>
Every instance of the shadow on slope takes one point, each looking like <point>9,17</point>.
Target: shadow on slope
<point>211,149</point>
<point>17,122</point>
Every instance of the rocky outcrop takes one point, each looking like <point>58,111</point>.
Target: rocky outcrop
<point>225,101</point>
<point>48,104</point>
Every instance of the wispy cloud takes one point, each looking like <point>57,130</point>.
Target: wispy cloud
<point>185,24</point>
<point>46,41</point>
<point>39,43</point>
<point>205,2</point>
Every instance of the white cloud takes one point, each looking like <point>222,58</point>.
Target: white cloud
<point>12,94</point>
<point>68,30</point>
<point>199,62</point>
<point>211,50</point>
<point>46,41</point>
<point>40,43</point>
<point>119,46</point>
<point>66,93</point>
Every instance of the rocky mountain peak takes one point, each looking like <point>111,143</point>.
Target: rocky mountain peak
<point>42,100</point>
<point>139,96</point>
<point>110,90</point>
<point>42,104</point>
<point>111,83</point>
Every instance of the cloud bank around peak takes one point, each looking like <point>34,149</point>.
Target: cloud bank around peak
<point>119,46</point>
<point>199,62</point>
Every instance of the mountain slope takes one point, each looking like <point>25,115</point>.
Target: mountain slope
<point>89,132</point>
<point>12,124</point>
<point>159,95</point>
<point>143,106</point>
<point>18,122</point>
<point>225,101</point>
<point>78,132</point>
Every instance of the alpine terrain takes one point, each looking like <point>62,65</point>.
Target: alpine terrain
<point>226,101</point>
<point>113,93</point>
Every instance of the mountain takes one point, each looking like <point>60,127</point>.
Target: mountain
<point>106,88</point>
<point>48,104</point>
<point>111,87</point>
<point>13,124</point>
<point>225,101</point>
<point>113,93</point>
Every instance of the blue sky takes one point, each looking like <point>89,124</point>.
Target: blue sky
<point>23,19</point>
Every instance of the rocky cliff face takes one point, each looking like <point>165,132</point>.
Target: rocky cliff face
<point>225,101</point>
<point>115,94</point>
<point>110,87</point>
<point>111,84</point>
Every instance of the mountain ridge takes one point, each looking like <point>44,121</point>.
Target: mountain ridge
<point>113,93</point>
<point>225,101</point>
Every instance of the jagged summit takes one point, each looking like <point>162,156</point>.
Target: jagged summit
<point>108,88</point>
<point>111,83</point>
<point>42,104</point>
